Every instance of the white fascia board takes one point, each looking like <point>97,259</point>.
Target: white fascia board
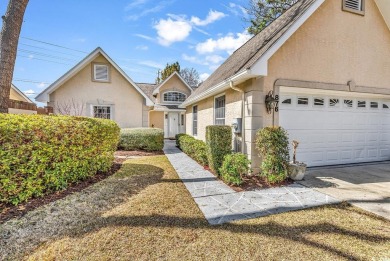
<point>21,93</point>
<point>149,102</point>
<point>156,91</point>
<point>238,78</point>
<point>384,8</point>
<point>44,95</point>
<point>261,66</point>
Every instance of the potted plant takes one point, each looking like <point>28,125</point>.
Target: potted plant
<point>296,170</point>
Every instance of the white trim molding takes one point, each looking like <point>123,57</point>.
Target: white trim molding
<point>157,90</point>
<point>44,95</point>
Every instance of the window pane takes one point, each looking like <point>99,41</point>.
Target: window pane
<point>385,106</point>
<point>361,104</point>
<point>102,112</point>
<point>195,120</point>
<point>174,97</point>
<point>220,110</point>
<point>374,105</point>
<point>334,102</point>
<point>303,101</point>
<point>287,101</point>
<point>348,103</point>
<point>319,102</point>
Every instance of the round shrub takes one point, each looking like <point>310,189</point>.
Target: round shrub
<point>234,167</point>
<point>148,139</point>
<point>272,143</point>
<point>41,154</point>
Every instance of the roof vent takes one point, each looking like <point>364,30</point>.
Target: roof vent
<point>354,6</point>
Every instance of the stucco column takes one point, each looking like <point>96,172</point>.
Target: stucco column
<point>254,112</point>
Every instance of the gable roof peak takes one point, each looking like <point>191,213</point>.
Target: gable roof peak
<point>44,95</point>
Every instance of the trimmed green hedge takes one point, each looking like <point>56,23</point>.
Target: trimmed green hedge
<point>194,148</point>
<point>177,137</point>
<point>219,144</point>
<point>41,154</point>
<point>149,139</point>
<point>272,143</point>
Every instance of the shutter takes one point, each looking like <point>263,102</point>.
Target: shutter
<point>101,72</point>
<point>353,4</point>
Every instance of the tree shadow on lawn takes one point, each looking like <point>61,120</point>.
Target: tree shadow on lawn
<point>269,229</point>
<point>76,211</point>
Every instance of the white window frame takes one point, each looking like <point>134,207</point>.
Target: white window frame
<point>319,98</point>
<point>94,66</point>
<point>303,97</point>
<point>338,104</point>
<point>283,98</point>
<point>214,116</point>
<point>100,105</point>
<point>193,120</point>
<point>175,102</point>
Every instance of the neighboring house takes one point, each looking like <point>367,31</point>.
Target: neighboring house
<point>167,96</point>
<point>19,103</point>
<point>328,62</point>
<point>98,87</point>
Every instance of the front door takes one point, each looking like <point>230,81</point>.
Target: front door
<point>173,124</point>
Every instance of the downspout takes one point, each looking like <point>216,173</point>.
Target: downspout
<point>242,114</point>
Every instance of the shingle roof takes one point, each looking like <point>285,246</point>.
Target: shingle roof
<point>148,89</point>
<point>247,55</point>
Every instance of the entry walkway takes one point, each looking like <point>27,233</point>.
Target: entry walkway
<point>219,203</point>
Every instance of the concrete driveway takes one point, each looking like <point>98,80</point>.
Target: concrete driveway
<point>366,185</point>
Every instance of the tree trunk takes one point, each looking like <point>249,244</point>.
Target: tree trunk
<point>9,37</point>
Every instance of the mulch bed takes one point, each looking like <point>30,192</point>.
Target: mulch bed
<point>256,182</point>
<point>253,182</point>
<point>8,211</point>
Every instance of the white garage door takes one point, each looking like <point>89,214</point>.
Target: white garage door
<point>337,129</point>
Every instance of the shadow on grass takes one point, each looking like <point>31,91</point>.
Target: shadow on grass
<point>270,229</point>
<point>76,211</point>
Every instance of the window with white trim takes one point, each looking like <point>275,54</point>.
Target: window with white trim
<point>319,102</point>
<point>303,101</point>
<point>219,110</point>
<point>374,105</point>
<point>195,120</point>
<point>348,103</point>
<point>334,102</point>
<point>102,112</point>
<point>174,97</point>
<point>362,104</point>
<point>101,73</point>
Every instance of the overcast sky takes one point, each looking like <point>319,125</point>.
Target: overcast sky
<point>141,36</point>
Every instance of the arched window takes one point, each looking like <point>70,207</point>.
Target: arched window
<point>174,97</point>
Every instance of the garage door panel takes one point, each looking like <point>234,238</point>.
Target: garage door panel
<point>330,135</point>
<point>384,153</point>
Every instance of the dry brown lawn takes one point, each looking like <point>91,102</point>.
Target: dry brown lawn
<point>144,212</point>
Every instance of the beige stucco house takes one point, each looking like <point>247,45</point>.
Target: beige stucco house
<point>325,67</point>
<point>19,103</point>
<point>98,87</point>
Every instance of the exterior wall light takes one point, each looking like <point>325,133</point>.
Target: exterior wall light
<point>271,102</point>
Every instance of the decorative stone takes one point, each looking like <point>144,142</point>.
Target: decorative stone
<point>297,171</point>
